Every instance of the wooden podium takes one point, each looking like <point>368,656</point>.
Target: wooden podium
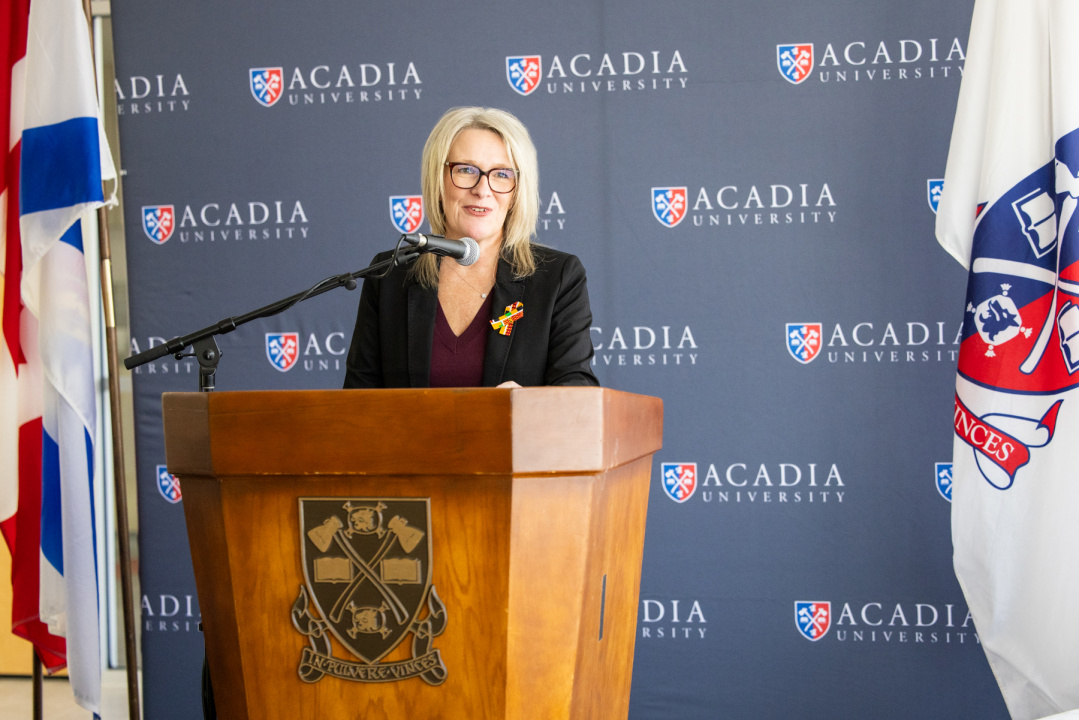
<point>325,595</point>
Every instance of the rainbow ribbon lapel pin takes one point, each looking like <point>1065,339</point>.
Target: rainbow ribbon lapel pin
<point>504,324</point>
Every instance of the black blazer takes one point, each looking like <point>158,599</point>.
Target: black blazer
<point>549,345</point>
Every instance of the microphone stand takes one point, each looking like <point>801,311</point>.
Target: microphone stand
<point>204,346</point>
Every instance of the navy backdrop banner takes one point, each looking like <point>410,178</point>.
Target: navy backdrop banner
<point>751,187</point>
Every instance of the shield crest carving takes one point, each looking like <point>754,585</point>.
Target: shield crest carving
<point>367,573</point>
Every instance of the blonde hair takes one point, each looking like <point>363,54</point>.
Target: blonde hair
<point>520,225</point>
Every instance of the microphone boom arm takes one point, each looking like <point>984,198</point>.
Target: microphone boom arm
<point>205,346</point>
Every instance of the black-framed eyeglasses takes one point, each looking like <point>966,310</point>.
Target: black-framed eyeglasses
<point>466,177</point>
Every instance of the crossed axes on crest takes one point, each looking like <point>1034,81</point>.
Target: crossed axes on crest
<point>400,531</point>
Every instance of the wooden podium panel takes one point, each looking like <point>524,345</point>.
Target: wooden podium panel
<point>537,502</point>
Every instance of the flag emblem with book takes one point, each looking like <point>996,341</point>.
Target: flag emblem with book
<point>51,180</point>
<point>1007,213</point>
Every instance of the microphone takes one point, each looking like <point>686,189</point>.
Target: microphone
<point>465,251</point>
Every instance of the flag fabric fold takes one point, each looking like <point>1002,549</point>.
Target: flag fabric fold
<point>52,179</point>
<point>1007,213</point>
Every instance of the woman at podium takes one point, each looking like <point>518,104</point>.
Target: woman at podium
<point>518,315</point>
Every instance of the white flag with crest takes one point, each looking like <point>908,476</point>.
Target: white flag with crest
<point>1008,214</point>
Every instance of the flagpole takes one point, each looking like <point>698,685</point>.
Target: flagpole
<point>119,472</point>
<point>37,710</point>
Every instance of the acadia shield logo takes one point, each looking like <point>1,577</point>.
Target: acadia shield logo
<point>669,205</point>
<point>679,480</point>
<point>943,473</point>
<point>158,222</point>
<point>933,189</point>
<point>795,61</point>
<point>813,618</point>
<point>523,73</point>
<point>406,212</point>
<point>283,350</point>
<point>804,341</point>
<point>168,485</point>
<point>267,84</point>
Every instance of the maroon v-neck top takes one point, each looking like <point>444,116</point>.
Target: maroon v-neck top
<point>457,361</point>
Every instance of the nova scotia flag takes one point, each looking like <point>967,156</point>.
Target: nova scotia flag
<point>47,352</point>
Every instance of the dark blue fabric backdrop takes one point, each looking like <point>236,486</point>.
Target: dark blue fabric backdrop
<point>749,187</point>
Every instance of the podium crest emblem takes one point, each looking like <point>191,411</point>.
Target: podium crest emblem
<point>367,579</point>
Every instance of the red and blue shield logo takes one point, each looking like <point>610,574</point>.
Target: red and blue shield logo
<point>523,73</point>
<point>406,212</point>
<point>679,480</point>
<point>804,341</point>
<point>943,472</point>
<point>283,350</point>
<point>267,84</point>
<point>168,485</point>
<point>813,618</point>
<point>795,61</point>
<point>669,205</point>
<point>934,188</point>
<point>158,222</point>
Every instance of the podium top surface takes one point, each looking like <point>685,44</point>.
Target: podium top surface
<point>405,432</point>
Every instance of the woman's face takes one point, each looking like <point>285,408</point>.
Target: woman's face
<point>477,213</point>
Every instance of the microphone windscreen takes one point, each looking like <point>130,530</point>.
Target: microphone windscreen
<point>473,252</point>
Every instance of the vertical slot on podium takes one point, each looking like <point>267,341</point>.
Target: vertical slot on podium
<point>602,606</point>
